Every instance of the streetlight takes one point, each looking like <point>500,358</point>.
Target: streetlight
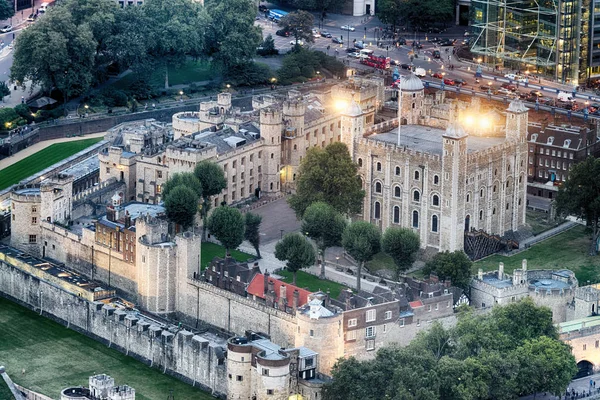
<point>228,87</point>
<point>181,95</point>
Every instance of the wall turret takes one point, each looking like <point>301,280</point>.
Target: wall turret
<point>271,128</point>
<point>352,125</point>
<point>517,118</point>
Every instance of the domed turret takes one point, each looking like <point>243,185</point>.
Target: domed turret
<point>411,83</point>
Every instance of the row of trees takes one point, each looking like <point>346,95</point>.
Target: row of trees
<point>511,352</point>
<point>419,13</point>
<point>76,43</point>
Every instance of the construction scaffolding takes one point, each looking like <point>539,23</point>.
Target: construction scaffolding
<point>541,36</point>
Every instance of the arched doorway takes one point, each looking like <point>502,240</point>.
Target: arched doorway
<point>467,223</point>
<point>585,368</point>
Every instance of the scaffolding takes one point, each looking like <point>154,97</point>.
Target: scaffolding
<point>525,34</point>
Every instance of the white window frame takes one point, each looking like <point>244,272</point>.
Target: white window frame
<point>370,345</point>
<point>351,335</point>
<point>370,332</point>
<point>371,315</point>
<point>352,322</point>
<point>388,315</point>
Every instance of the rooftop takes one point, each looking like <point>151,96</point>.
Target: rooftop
<point>429,140</point>
<point>549,284</point>
<point>578,324</point>
<point>28,191</point>
<point>492,279</point>
<point>257,289</point>
<point>135,210</point>
<point>83,168</point>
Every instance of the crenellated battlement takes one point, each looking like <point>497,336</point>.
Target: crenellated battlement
<point>271,116</point>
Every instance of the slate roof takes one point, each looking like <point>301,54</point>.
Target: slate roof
<point>235,268</point>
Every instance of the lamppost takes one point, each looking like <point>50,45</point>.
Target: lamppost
<point>86,110</point>
<point>228,87</point>
<point>490,89</point>
<point>181,95</point>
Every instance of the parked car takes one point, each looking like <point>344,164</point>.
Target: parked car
<point>448,81</point>
<point>31,17</point>
<point>325,34</point>
<point>394,62</point>
<point>282,32</point>
<point>6,28</point>
<point>337,40</point>
<point>359,45</point>
<point>316,34</point>
<point>300,42</point>
<point>437,75</point>
<point>347,28</point>
<point>354,55</point>
<point>404,66</point>
<point>447,42</point>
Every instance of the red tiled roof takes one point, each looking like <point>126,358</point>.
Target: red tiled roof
<point>257,288</point>
<point>415,304</point>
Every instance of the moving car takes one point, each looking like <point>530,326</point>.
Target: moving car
<point>350,50</point>
<point>504,91</point>
<point>485,88</point>
<point>509,86</point>
<point>404,66</point>
<point>449,81</point>
<point>460,82</point>
<point>325,34</point>
<point>31,17</point>
<point>347,28</point>
<point>354,55</point>
<point>518,78</point>
<point>437,75</point>
<point>401,41</point>
<point>316,34</point>
<point>359,45</point>
<point>536,93</point>
<point>6,28</point>
<point>337,40</point>
<point>447,42</point>
<point>436,54</point>
<point>420,72</point>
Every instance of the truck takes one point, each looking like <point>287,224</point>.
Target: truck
<point>374,61</point>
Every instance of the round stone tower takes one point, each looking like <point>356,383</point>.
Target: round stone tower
<point>239,368</point>
<point>293,115</point>
<point>271,127</point>
<point>410,104</point>
<point>224,102</point>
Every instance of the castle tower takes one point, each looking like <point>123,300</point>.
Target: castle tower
<point>187,259</point>
<point>352,125</point>
<point>410,100</point>
<point>293,115</point>
<point>320,329</point>
<point>517,118</point>
<point>25,230</point>
<point>100,385</point>
<point>271,127</point>
<point>454,166</point>
<point>224,102</point>
<point>57,199</point>
<point>239,368</point>
<point>156,267</point>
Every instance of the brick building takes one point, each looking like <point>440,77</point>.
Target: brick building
<point>230,275</point>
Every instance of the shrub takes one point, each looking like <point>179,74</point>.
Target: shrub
<point>114,98</point>
<point>8,115</point>
<point>141,90</point>
<point>250,74</point>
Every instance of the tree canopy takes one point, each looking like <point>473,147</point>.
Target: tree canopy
<point>299,24</point>
<point>328,175</point>
<point>455,266</point>
<point>446,364</point>
<point>362,241</point>
<point>7,9</point>
<point>420,13</point>
<point>402,245</point>
<point>186,179</point>
<point>181,206</point>
<point>580,196</point>
<point>318,5</point>
<point>228,226</point>
<point>252,233</point>
<point>297,251</point>
<point>212,179</point>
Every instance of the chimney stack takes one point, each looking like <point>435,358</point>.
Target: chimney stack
<point>266,283</point>
<point>295,300</point>
<point>501,271</point>
<point>480,274</point>
<point>524,265</point>
<point>328,299</point>
<point>282,297</point>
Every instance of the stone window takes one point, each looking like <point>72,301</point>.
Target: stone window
<point>480,215</point>
<point>352,322</point>
<point>378,166</point>
<point>468,197</point>
<point>397,171</point>
<point>396,214</point>
<point>269,392</point>
<point>388,315</point>
<point>32,239</point>
<point>107,170</point>
<point>265,372</point>
<point>33,209</point>
<point>416,195</point>
<point>272,156</point>
<point>370,331</point>
<point>377,187</point>
<point>384,328</point>
<point>435,200</point>
<point>429,308</point>
<point>351,335</point>
<point>397,191</point>
<point>34,220</point>
<point>434,223</point>
<point>159,174</point>
<point>584,347</point>
<point>311,333</point>
<point>370,345</point>
<point>360,162</point>
<point>371,315</point>
<point>401,322</point>
<point>417,175</point>
<point>239,378</point>
<point>377,210</point>
<point>597,343</point>
<point>436,180</point>
<point>415,219</point>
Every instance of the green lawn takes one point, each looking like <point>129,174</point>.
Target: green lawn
<point>55,357</point>
<point>313,283</point>
<point>567,250</point>
<point>380,261</point>
<point>41,160</point>
<point>211,250</point>
<point>191,71</point>
<point>539,223</point>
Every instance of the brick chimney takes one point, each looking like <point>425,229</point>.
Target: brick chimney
<point>295,300</point>
<point>266,283</point>
<point>282,297</point>
<point>328,299</point>
<point>501,271</point>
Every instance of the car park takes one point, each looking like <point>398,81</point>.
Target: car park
<point>337,40</point>
<point>347,28</point>
<point>325,34</point>
<point>6,28</point>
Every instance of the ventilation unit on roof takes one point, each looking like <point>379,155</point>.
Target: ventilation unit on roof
<point>255,135</point>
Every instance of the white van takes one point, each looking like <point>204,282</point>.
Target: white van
<point>43,8</point>
<point>420,72</point>
<point>365,53</point>
<point>563,96</point>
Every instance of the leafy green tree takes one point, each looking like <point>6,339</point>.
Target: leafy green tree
<point>424,13</point>
<point>181,206</point>
<point>212,179</point>
<point>297,251</point>
<point>389,12</point>
<point>228,226</point>
<point>252,233</point>
<point>318,5</point>
<point>128,43</point>
<point>232,37</point>
<point>299,24</point>
<point>455,266</point>
<point>328,175</point>
<point>362,241</point>
<point>402,245</point>
<point>325,226</point>
<point>546,365</point>
<point>580,196</point>
<point>524,320</point>
<point>267,47</point>
<point>7,9</point>
<point>4,90</point>
<point>177,32</point>
<point>186,179</point>
<point>501,368</point>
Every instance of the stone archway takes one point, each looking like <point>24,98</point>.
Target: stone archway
<point>585,368</point>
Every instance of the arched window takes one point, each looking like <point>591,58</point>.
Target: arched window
<point>415,219</point>
<point>507,184</point>
<point>272,155</point>
<point>467,223</point>
<point>397,191</point>
<point>481,193</point>
<point>377,210</point>
<point>396,214</point>
<point>417,175</point>
<point>360,162</point>
<point>416,195</point>
<point>377,187</point>
<point>494,211</point>
<point>397,171</point>
<point>435,200</point>
<point>434,223</point>
<point>436,180</point>
<point>271,186</point>
<point>468,197</point>
<point>494,189</point>
<point>480,215</point>
<point>378,166</point>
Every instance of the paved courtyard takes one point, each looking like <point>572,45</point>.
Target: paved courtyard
<point>278,219</point>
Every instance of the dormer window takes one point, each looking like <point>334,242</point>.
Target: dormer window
<point>551,140</point>
<point>567,143</point>
<point>534,137</point>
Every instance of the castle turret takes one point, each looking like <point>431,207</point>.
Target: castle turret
<point>271,127</point>
<point>410,104</point>
<point>517,118</point>
<point>224,102</point>
<point>352,125</point>
<point>454,162</point>
<point>239,368</point>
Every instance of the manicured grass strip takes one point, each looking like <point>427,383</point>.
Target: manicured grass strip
<point>212,250</point>
<point>569,250</point>
<point>190,71</point>
<point>55,357</point>
<point>313,283</point>
<point>42,160</point>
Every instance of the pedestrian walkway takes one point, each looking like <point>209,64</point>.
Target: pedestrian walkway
<point>590,386</point>
<point>524,244</point>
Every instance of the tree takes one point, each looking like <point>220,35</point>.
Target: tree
<point>389,12</point>
<point>299,24</point>
<point>186,179</point>
<point>546,365</point>
<point>580,196</point>
<point>524,320</point>
<point>297,251</point>
<point>267,47</point>
<point>212,179</point>
<point>325,226</point>
<point>362,241</point>
<point>402,245</point>
<point>181,206</point>
<point>4,90</point>
<point>318,5</point>
<point>252,233</point>
<point>232,37</point>
<point>227,224</point>
<point>7,9</point>
<point>328,175</point>
<point>455,266</point>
